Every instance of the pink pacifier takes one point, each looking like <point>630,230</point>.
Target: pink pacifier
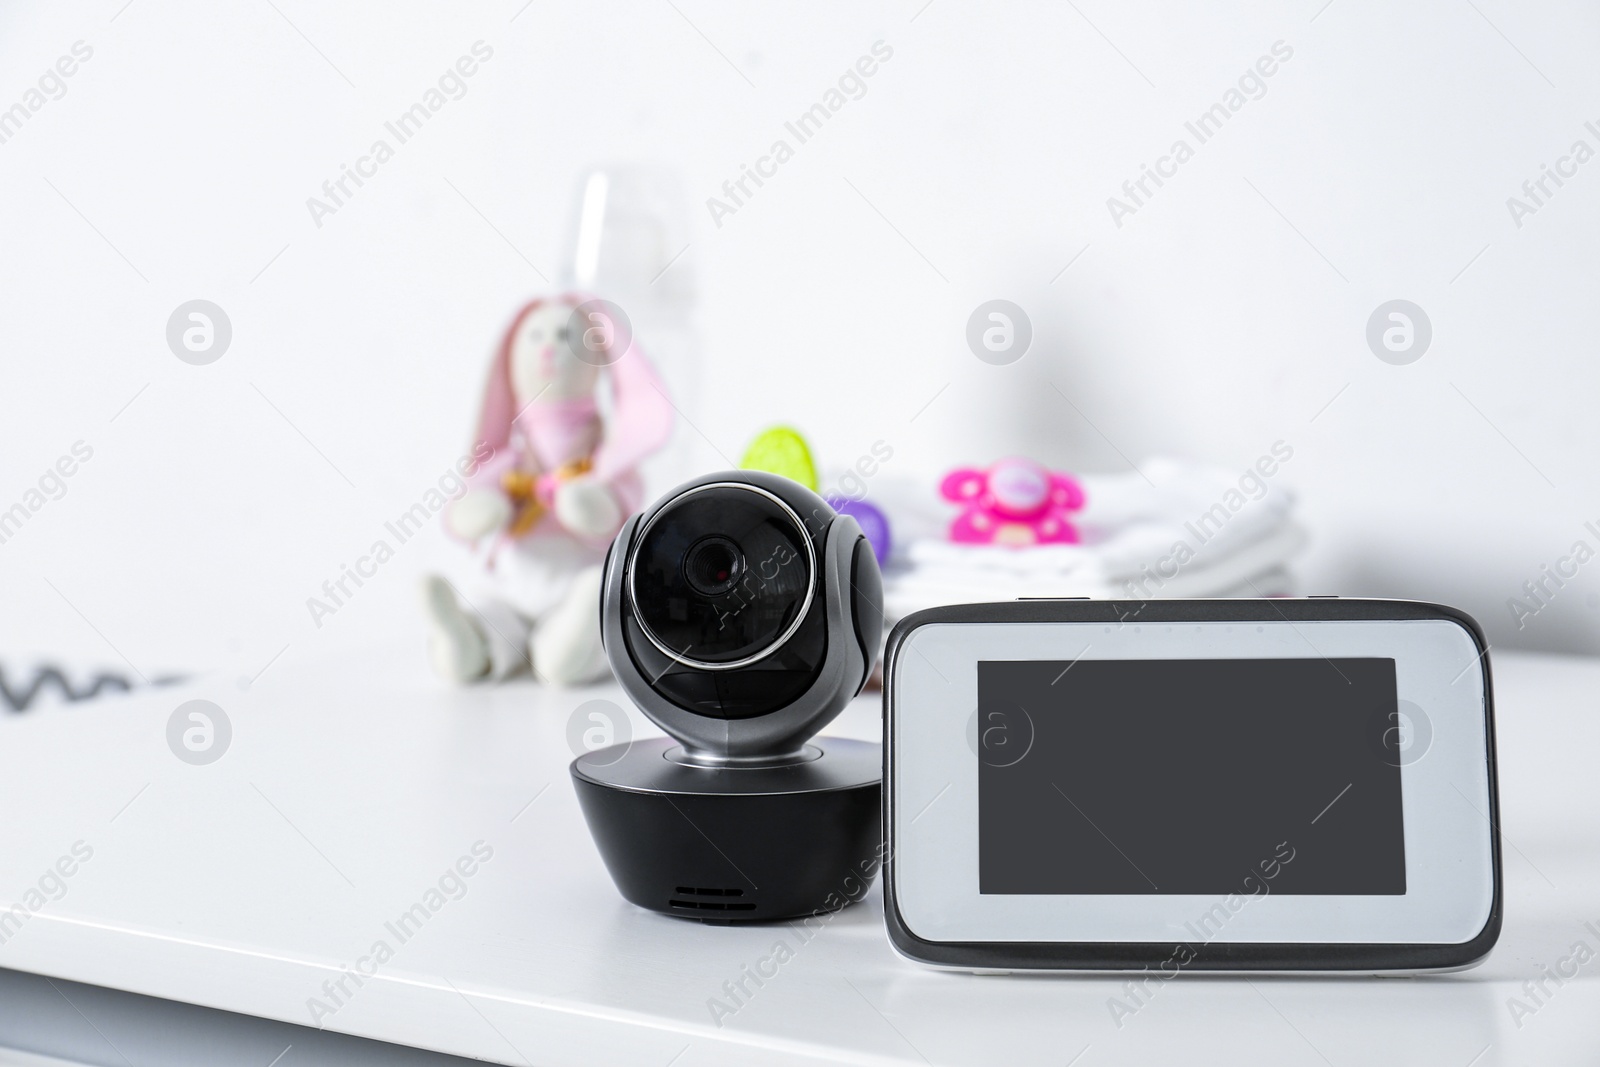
<point>1015,502</point>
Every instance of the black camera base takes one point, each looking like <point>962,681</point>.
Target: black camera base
<point>735,843</point>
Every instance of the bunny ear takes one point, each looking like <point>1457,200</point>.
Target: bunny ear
<point>641,416</point>
<point>963,484</point>
<point>499,401</point>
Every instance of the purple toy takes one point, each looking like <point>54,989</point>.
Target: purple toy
<point>874,523</point>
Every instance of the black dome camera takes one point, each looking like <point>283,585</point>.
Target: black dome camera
<point>741,614</point>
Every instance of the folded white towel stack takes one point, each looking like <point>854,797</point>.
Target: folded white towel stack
<point>1172,529</point>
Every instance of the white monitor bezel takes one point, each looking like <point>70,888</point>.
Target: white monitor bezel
<point>1447,793</point>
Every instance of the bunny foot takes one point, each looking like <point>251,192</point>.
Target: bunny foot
<point>566,647</point>
<point>456,646</point>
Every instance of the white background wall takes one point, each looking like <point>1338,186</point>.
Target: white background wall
<point>1224,315</point>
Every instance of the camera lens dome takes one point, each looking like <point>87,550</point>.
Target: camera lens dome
<point>722,575</point>
<point>713,566</point>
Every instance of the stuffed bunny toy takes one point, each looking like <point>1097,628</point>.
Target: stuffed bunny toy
<point>559,480</point>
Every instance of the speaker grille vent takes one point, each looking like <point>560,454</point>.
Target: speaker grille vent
<point>719,899</point>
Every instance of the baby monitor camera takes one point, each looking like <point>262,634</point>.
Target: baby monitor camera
<point>741,614</point>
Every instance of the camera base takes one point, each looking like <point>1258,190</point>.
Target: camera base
<point>735,843</point>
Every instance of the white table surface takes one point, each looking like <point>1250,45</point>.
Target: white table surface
<point>348,789</point>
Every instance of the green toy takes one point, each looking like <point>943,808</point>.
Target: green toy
<point>781,450</point>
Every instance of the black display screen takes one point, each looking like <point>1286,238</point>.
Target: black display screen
<point>1189,777</point>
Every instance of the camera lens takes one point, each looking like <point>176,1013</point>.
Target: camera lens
<point>713,566</point>
<point>722,575</point>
